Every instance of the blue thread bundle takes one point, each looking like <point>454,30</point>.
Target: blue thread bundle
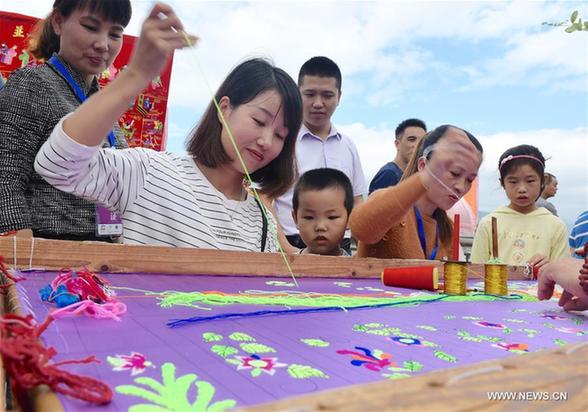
<point>60,296</point>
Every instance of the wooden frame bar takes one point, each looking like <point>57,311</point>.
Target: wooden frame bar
<point>116,258</point>
<point>557,371</point>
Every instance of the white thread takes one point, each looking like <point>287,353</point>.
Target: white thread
<point>487,369</point>
<point>31,255</point>
<point>14,252</point>
<point>440,181</point>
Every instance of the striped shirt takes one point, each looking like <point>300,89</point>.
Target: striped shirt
<point>31,103</point>
<point>164,199</point>
<point>579,233</point>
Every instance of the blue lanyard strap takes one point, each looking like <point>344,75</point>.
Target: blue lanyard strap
<point>76,88</point>
<point>422,238</point>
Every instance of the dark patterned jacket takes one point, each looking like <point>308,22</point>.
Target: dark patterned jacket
<point>32,101</point>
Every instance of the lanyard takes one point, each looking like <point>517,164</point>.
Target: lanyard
<point>422,238</point>
<point>78,91</point>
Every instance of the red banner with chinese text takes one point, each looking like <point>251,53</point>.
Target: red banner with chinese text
<point>144,122</point>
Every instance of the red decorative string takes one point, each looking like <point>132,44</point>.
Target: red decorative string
<point>28,362</point>
<point>85,284</point>
<point>5,272</point>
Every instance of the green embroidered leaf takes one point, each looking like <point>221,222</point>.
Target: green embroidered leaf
<point>379,332</point>
<point>445,356</point>
<point>396,369</point>
<point>241,337</point>
<point>172,394</point>
<point>578,321</point>
<point>315,342</point>
<point>374,325</point>
<point>211,337</point>
<point>429,344</point>
<point>549,325</point>
<point>507,330</point>
<point>234,361</point>
<point>224,351</point>
<point>449,317</point>
<point>413,366</point>
<point>396,376</point>
<point>255,372</point>
<point>360,328</point>
<point>560,342</point>
<point>407,335</point>
<point>531,333</point>
<point>463,334</point>
<point>256,348</point>
<point>305,372</point>
<point>427,327</point>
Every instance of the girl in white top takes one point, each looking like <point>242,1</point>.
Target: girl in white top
<point>193,200</point>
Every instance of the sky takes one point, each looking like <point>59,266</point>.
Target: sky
<point>491,68</point>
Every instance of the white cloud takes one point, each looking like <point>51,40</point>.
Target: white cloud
<point>553,60</point>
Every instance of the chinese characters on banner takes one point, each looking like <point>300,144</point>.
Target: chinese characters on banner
<point>144,122</point>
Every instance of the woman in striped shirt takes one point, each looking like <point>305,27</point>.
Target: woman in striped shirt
<point>192,200</point>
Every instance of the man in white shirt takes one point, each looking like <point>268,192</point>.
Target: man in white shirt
<point>319,144</point>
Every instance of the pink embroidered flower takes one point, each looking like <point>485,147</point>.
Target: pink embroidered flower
<point>257,364</point>
<point>374,360</point>
<point>136,362</point>
<point>512,347</point>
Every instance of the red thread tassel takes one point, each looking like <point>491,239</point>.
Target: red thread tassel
<point>27,363</point>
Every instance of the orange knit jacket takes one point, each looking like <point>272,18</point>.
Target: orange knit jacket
<point>386,227</point>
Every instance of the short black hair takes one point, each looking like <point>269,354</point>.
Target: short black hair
<point>43,41</point>
<point>320,179</point>
<point>246,81</point>
<point>320,66</point>
<point>517,156</point>
<point>403,125</point>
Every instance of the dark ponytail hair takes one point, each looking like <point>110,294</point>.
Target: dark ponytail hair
<point>43,41</point>
<point>427,142</point>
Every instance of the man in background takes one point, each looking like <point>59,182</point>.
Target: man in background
<point>408,134</point>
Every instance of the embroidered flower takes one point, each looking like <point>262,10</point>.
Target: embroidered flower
<point>512,347</point>
<point>136,362</point>
<point>490,325</point>
<point>257,364</point>
<point>403,341</point>
<point>374,361</point>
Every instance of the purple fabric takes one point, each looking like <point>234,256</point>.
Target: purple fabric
<point>455,327</point>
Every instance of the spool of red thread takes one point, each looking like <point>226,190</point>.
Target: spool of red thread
<point>412,277</point>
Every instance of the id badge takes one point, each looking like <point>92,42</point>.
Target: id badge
<point>108,223</point>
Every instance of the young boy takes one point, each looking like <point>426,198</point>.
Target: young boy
<point>319,144</point>
<point>321,204</point>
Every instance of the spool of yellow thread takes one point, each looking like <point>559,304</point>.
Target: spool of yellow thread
<point>455,278</point>
<point>495,279</point>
